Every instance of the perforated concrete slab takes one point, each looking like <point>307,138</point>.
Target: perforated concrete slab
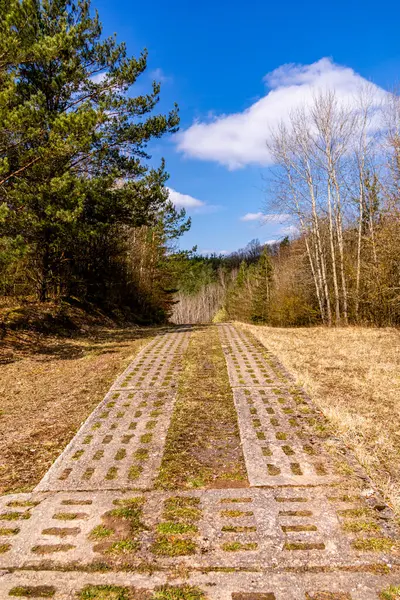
<point>275,449</point>
<point>121,443</point>
<point>274,420</point>
<point>282,528</point>
<point>215,586</point>
<point>302,531</point>
<point>246,367</point>
<point>158,364</point>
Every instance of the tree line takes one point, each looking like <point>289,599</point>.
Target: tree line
<point>337,177</point>
<point>82,213</point>
<point>336,181</point>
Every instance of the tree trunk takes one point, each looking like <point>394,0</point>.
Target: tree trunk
<point>45,270</point>
<point>333,255</point>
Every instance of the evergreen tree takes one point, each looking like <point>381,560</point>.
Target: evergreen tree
<point>72,139</point>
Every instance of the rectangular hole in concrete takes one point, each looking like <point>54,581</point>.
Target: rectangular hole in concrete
<point>320,469</point>
<point>266,450</point>
<point>304,546</point>
<point>253,596</point>
<point>77,455</point>
<point>88,474</point>
<point>273,470</point>
<point>73,502</point>
<point>112,473</point>
<point>293,499</point>
<point>120,454</point>
<point>296,469</point>
<point>235,500</point>
<point>298,528</point>
<point>295,513</point>
<point>64,475</point>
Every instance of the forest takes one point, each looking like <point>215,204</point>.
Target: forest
<point>85,216</point>
<point>336,179</point>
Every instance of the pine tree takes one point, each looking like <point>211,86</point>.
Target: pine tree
<point>72,138</point>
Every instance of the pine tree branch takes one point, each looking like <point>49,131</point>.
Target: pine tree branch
<point>35,160</point>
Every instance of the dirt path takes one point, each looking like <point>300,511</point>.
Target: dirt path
<point>309,526</point>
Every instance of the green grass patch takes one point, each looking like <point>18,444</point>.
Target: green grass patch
<point>181,592</point>
<point>141,454</point>
<point>173,546</point>
<point>104,592</point>
<point>373,544</point>
<point>175,534</point>
<point>130,510</point>
<point>112,473</point>
<point>239,546</point>
<point>390,593</point>
<point>15,516</point>
<point>234,514</point>
<point>134,472</point>
<point>123,547</point>
<point>171,528</point>
<point>354,513</point>
<point>100,532</point>
<point>360,526</point>
<point>9,530</point>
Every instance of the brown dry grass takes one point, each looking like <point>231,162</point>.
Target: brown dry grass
<point>48,389</point>
<point>353,375</point>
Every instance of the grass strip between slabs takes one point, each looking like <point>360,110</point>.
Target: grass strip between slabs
<point>203,444</point>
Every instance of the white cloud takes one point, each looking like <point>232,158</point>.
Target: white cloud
<point>266,218</point>
<point>184,200</point>
<point>190,204</point>
<point>240,139</point>
<point>290,230</point>
<point>159,75</point>
<point>99,77</point>
<point>252,217</point>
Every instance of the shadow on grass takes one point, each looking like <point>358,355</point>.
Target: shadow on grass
<point>96,339</point>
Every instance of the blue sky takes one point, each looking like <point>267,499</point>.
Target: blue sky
<point>213,58</point>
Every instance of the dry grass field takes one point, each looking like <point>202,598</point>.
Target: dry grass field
<point>353,375</point>
<point>48,387</point>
